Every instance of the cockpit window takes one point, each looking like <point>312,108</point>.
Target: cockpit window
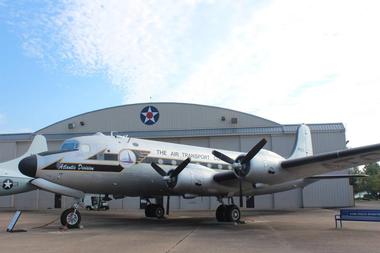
<point>70,145</point>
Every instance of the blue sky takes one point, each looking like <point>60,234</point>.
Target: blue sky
<point>288,61</point>
<point>34,95</point>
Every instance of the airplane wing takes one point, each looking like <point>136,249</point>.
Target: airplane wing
<point>332,161</point>
<point>337,176</point>
<point>320,164</point>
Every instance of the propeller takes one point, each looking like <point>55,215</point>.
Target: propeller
<point>170,177</point>
<point>241,165</point>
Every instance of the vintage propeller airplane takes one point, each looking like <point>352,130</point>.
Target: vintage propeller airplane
<point>124,166</point>
<point>12,181</point>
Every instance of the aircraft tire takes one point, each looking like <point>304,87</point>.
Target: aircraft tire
<point>71,218</point>
<point>232,213</point>
<point>221,213</point>
<point>149,210</point>
<point>159,211</point>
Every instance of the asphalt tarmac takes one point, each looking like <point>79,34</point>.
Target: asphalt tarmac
<point>301,230</point>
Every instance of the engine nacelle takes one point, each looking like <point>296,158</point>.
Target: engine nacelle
<point>195,180</point>
<point>264,170</point>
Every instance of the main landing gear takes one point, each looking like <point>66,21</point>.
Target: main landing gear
<point>154,210</point>
<point>71,217</point>
<point>227,213</point>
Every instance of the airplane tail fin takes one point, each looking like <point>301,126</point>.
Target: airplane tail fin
<point>303,145</point>
<point>38,145</point>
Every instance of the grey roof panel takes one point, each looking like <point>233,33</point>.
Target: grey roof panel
<point>285,129</point>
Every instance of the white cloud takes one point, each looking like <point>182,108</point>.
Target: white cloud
<point>313,63</point>
<point>288,61</point>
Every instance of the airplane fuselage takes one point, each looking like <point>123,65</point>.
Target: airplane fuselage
<point>122,166</point>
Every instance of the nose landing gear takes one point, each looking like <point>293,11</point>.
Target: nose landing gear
<point>71,217</point>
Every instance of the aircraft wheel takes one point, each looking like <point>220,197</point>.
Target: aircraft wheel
<point>154,210</point>
<point>71,218</point>
<point>232,213</point>
<point>149,210</point>
<point>221,213</point>
<point>159,211</point>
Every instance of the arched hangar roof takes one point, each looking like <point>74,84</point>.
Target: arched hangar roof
<point>171,117</point>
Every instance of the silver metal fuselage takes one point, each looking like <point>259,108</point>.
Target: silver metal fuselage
<point>121,166</point>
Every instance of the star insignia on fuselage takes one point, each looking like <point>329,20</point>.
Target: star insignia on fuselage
<point>7,184</point>
<point>149,115</point>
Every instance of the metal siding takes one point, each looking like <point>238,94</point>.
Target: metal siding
<point>227,142</point>
<point>198,141</point>
<point>325,142</point>
<point>170,140</point>
<point>283,145</point>
<point>116,203</point>
<point>264,201</point>
<point>328,193</point>
<point>22,147</point>
<point>26,200</point>
<point>174,202</point>
<point>288,200</point>
<point>247,142</point>
<point>6,201</point>
<point>332,192</point>
<point>45,199</point>
<point>172,116</point>
<point>66,202</point>
<point>8,151</point>
<point>131,203</point>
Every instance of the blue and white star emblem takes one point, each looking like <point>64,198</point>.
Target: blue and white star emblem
<point>7,184</point>
<point>149,115</point>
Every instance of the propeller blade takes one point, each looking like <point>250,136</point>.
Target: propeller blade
<point>223,157</point>
<point>158,169</point>
<point>180,167</point>
<point>248,157</point>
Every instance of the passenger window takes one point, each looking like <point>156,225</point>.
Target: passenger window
<point>111,157</point>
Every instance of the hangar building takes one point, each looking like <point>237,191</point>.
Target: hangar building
<point>192,124</point>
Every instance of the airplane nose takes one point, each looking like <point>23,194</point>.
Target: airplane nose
<point>28,166</point>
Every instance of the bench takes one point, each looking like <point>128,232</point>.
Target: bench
<point>357,215</point>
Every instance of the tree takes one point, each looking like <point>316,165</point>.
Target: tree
<point>359,184</point>
<point>370,184</point>
<point>372,169</point>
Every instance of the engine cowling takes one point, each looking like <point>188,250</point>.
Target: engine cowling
<point>264,170</point>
